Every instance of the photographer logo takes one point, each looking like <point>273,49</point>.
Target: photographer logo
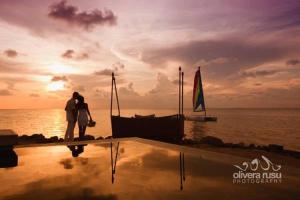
<point>257,172</point>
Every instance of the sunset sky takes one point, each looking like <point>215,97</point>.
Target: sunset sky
<point>249,51</point>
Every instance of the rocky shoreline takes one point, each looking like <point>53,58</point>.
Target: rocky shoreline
<point>205,141</point>
<point>218,143</point>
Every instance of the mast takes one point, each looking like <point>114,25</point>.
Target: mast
<point>114,87</point>
<point>117,96</point>
<point>202,92</point>
<point>111,93</point>
<point>182,82</point>
<point>179,91</point>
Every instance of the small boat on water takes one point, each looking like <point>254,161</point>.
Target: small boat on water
<point>169,127</point>
<point>198,101</point>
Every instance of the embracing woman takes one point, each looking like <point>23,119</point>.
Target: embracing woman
<point>84,116</point>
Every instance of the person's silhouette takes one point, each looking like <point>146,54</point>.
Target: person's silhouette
<point>71,116</point>
<point>76,150</point>
<point>84,116</point>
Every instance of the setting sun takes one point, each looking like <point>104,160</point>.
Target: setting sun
<point>55,86</point>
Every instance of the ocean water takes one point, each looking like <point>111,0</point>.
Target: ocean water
<point>258,126</point>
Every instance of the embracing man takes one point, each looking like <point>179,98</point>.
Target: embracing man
<point>71,114</point>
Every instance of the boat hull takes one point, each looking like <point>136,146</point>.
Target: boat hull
<point>161,128</point>
<point>201,118</point>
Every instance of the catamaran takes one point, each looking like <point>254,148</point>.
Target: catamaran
<point>198,101</point>
<point>169,127</point>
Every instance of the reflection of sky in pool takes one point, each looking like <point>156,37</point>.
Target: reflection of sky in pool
<point>144,170</point>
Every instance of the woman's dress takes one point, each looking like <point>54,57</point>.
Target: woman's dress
<point>83,118</point>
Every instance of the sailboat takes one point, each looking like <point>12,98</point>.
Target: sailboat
<point>198,101</point>
<point>151,127</point>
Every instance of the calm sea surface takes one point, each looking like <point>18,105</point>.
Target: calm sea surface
<point>259,126</point>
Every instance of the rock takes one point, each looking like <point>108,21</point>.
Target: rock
<point>264,147</point>
<point>53,139</point>
<point>214,141</point>
<point>86,137</point>
<point>292,153</point>
<point>35,138</point>
<point>232,145</point>
<point>251,146</point>
<point>89,137</point>
<point>100,138</point>
<point>275,148</point>
<point>38,137</point>
<point>188,142</point>
<point>108,137</point>
<point>241,145</point>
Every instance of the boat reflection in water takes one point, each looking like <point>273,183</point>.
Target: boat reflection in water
<point>131,169</point>
<point>113,161</point>
<point>114,158</point>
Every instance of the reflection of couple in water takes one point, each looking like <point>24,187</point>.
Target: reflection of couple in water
<point>77,111</point>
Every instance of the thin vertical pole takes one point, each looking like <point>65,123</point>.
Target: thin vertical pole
<point>182,82</point>
<point>112,166</point>
<point>183,167</point>
<point>202,92</point>
<point>180,163</point>
<point>117,96</point>
<point>111,93</point>
<point>179,92</point>
<point>114,171</point>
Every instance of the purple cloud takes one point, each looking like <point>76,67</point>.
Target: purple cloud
<point>68,54</point>
<point>87,20</point>
<point>104,72</point>
<point>293,62</point>
<point>71,54</point>
<point>259,73</point>
<point>244,55</point>
<point>11,53</point>
<point>116,67</point>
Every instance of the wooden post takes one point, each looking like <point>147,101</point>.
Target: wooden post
<point>180,168</point>
<point>112,166</point>
<point>116,158</point>
<point>114,87</point>
<point>117,96</point>
<point>183,167</point>
<point>112,92</point>
<point>182,82</point>
<point>179,92</point>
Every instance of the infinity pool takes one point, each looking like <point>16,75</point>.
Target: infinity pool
<point>134,169</point>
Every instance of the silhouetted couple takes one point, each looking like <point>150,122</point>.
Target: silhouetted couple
<point>77,111</point>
